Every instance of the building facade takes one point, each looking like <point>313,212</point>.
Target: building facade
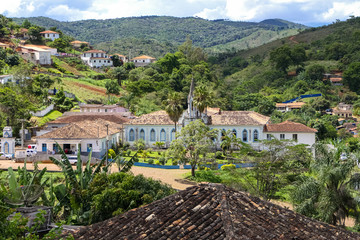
<point>96,59</point>
<point>143,60</point>
<point>50,35</point>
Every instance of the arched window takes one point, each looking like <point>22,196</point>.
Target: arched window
<point>256,135</point>
<point>244,135</point>
<point>152,135</point>
<point>162,135</point>
<point>234,133</point>
<point>132,135</point>
<point>173,134</point>
<point>142,134</point>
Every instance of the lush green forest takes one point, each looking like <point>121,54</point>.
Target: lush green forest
<point>218,35</point>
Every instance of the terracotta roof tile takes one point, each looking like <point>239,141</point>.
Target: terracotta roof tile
<point>114,118</point>
<point>84,129</point>
<point>76,41</point>
<point>154,118</point>
<point>288,126</point>
<point>235,118</point>
<point>142,57</point>
<point>212,211</point>
<point>291,105</point>
<point>95,51</point>
<point>48,31</point>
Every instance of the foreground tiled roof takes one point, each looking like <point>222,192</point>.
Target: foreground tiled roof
<point>236,118</point>
<point>288,126</point>
<point>212,211</point>
<point>154,118</point>
<point>114,118</point>
<point>84,129</point>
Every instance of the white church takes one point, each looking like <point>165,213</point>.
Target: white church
<point>249,126</point>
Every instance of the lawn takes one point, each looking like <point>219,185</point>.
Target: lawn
<point>41,121</point>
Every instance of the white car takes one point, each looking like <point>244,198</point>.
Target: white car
<point>30,152</point>
<point>5,155</point>
<point>72,160</point>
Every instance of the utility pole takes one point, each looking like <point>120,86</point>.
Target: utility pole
<point>22,132</point>
<point>107,143</point>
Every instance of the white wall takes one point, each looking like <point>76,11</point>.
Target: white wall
<point>303,138</point>
<point>147,129</point>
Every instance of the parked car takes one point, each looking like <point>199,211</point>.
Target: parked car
<point>73,160</point>
<point>5,155</point>
<point>30,152</point>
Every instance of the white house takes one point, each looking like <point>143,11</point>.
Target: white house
<point>50,35</point>
<point>143,60</point>
<point>91,135</point>
<point>96,59</point>
<point>53,51</point>
<point>288,130</point>
<point>286,107</point>
<point>35,55</point>
<point>78,44</point>
<point>102,108</point>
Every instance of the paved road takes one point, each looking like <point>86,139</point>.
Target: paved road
<point>168,176</point>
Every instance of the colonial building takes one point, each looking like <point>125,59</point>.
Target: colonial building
<point>91,135</point>
<point>35,54</point>
<point>50,35</point>
<point>103,108</point>
<point>96,59</point>
<point>249,126</point>
<point>143,60</point>
<point>78,44</point>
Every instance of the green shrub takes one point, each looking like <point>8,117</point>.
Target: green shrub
<point>151,161</point>
<point>228,167</point>
<point>157,162</point>
<point>128,152</point>
<point>219,155</point>
<point>174,162</point>
<point>162,160</point>
<point>206,176</point>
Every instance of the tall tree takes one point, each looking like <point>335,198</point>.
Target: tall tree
<point>173,107</point>
<point>203,97</point>
<point>194,140</point>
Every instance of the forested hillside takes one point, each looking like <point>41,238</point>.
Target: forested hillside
<point>218,35</point>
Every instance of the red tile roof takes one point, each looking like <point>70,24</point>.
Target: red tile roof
<point>48,31</point>
<point>95,51</point>
<point>288,126</point>
<point>154,118</point>
<point>212,211</point>
<point>143,57</point>
<point>236,118</point>
<point>111,117</point>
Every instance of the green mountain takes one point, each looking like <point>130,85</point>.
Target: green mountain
<point>168,32</point>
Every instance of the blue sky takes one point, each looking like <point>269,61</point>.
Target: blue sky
<point>308,12</point>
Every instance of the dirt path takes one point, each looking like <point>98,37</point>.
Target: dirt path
<point>99,90</point>
<point>292,38</point>
<point>174,177</point>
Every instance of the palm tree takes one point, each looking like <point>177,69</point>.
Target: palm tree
<point>203,97</point>
<point>326,194</point>
<point>173,107</point>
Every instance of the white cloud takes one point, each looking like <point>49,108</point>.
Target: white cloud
<point>303,11</point>
<point>341,10</point>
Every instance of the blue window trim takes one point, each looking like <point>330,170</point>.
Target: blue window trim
<point>130,135</point>
<point>142,130</point>
<point>234,131</point>
<point>162,130</point>
<point>247,135</point>
<point>171,134</point>
<point>257,132</point>
<point>8,147</point>
<point>153,140</point>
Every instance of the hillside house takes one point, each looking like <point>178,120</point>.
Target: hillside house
<point>53,51</point>
<point>35,55</point>
<point>96,59</point>
<point>78,44</point>
<point>143,60</point>
<point>4,45</point>
<point>91,135</point>
<point>50,35</point>
<point>343,110</point>
<point>102,108</point>
<point>123,58</point>
<point>287,107</point>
